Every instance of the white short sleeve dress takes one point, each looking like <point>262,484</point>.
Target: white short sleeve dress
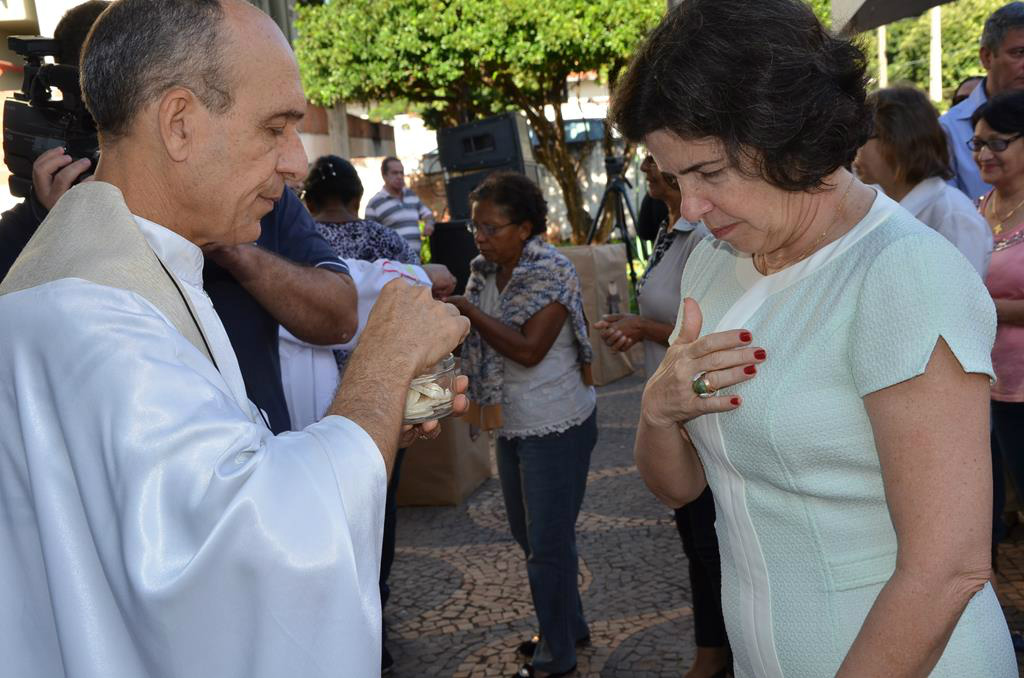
<point>805,534</point>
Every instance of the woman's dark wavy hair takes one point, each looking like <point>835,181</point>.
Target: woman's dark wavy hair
<point>762,76</point>
<point>332,178</point>
<point>516,196</point>
<point>1004,113</point>
<point>912,140</point>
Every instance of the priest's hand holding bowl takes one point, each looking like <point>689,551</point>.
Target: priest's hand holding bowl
<point>406,335</point>
<point>432,428</point>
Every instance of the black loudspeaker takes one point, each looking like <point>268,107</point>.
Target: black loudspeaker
<point>468,153</point>
<point>501,141</point>
<point>460,186</point>
<point>458,190</point>
<point>452,244</point>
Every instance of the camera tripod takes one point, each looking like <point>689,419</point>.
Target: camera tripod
<point>617,193</point>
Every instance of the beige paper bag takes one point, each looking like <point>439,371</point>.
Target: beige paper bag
<point>602,271</point>
<point>444,471</point>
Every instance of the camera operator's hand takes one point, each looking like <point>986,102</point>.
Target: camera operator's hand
<point>53,173</point>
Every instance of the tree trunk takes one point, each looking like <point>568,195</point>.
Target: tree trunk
<point>553,153</point>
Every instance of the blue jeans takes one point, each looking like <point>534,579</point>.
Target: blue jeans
<point>543,479</point>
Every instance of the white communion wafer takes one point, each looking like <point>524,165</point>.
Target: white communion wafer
<point>421,408</point>
<point>422,399</point>
<point>429,390</point>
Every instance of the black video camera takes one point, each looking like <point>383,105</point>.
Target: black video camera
<point>614,165</point>
<point>35,121</point>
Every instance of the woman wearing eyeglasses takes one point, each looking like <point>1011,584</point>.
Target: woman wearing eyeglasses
<point>527,358</point>
<point>999,152</point>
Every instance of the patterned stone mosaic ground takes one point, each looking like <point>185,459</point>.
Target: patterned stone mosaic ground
<point>460,602</point>
<point>1010,585</point>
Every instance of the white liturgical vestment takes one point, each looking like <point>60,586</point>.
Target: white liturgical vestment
<point>150,523</point>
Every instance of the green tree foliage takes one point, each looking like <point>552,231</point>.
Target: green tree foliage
<point>908,42</point>
<point>460,60</point>
<point>823,8</point>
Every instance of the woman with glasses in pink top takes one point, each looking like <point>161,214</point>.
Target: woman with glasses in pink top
<point>999,152</point>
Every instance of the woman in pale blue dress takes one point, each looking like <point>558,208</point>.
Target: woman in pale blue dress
<point>829,373</point>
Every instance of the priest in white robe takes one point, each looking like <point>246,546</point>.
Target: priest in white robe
<point>150,523</point>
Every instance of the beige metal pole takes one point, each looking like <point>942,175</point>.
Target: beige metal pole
<point>883,59</point>
<point>935,62</point>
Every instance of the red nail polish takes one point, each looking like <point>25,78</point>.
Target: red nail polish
<point>746,336</point>
<point>760,354</point>
<point>750,369</point>
<point>735,401</point>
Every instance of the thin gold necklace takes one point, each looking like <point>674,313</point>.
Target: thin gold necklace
<point>821,238</point>
<point>998,228</point>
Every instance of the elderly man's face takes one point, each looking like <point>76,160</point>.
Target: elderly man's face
<point>1005,66</point>
<point>245,157</point>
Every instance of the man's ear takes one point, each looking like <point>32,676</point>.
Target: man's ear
<point>177,116</point>
<point>985,55</point>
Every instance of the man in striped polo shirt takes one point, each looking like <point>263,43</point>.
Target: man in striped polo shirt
<point>398,207</point>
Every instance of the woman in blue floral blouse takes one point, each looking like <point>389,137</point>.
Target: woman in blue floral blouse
<point>332,193</point>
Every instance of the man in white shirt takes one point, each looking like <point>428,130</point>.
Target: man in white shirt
<point>398,207</point>
<point>1002,55</point>
<point>150,523</point>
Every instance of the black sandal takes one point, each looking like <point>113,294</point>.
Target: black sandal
<point>526,671</point>
<point>528,647</point>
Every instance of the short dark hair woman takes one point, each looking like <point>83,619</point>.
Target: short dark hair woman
<point>527,358</point>
<point>332,193</point>
<point>831,364</point>
<point>908,157</point>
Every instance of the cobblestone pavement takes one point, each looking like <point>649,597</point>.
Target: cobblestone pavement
<point>1010,583</point>
<point>460,602</point>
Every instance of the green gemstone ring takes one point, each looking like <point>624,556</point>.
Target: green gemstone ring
<point>701,386</point>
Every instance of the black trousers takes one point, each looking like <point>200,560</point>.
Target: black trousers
<point>1008,453</point>
<point>387,551</point>
<point>696,525</point>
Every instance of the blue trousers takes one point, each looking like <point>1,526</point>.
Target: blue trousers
<point>543,479</point>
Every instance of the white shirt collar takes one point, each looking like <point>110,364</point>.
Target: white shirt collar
<point>922,195</point>
<point>182,256</point>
